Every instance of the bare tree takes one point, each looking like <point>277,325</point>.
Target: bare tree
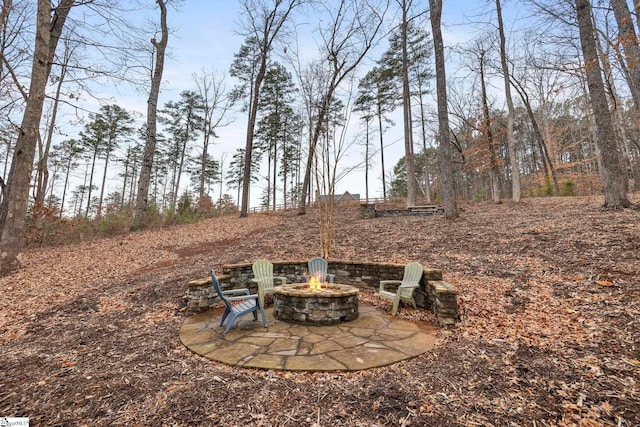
<point>615,196</point>
<point>617,106</point>
<point>44,146</point>
<point>142,197</point>
<point>629,40</point>
<point>15,55</point>
<point>549,169</point>
<point>494,168</point>
<point>331,151</point>
<point>216,104</point>
<point>446,168</point>
<point>511,146</point>
<point>352,31</point>
<point>15,195</point>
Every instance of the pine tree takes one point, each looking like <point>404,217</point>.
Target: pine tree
<point>235,172</point>
<point>276,98</point>
<point>377,96</point>
<point>184,122</point>
<point>70,151</point>
<point>118,123</point>
<point>408,61</point>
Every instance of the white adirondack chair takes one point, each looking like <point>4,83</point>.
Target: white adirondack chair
<point>409,283</point>
<point>263,276</point>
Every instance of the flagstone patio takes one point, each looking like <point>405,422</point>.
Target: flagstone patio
<point>373,339</point>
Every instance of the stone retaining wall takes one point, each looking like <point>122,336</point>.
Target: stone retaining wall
<point>370,210</point>
<point>434,293</point>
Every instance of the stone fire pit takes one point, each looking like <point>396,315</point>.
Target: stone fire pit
<point>329,305</point>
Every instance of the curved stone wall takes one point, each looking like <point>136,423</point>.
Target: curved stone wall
<point>434,294</point>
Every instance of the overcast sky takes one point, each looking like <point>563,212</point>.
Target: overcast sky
<point>204,36</point>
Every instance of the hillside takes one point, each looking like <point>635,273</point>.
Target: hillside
<point>550,330</point>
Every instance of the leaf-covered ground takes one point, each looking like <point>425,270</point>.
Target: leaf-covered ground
<point>550,330</point>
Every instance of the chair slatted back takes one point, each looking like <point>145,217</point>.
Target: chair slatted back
<point>412,274</point>
<point>263,273</point>
<point>216,286</point>
<point>318,267</point>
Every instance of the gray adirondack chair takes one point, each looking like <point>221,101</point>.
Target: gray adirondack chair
<point>318,267</point>
<point>263,276</point>
<point>244,303</point>
<point>409,283</point>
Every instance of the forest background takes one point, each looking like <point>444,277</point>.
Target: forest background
<point>90,147</point>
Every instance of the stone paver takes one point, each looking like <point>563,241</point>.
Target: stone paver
<point>373,339</point>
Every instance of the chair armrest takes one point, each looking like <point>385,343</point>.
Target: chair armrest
<point>243,291</point>
<point>243,297</point>
<point>331,277</point>
<point>384,283</point>
<point>406,290</point>
<point>281,279</point>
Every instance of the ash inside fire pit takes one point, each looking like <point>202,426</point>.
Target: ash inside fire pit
<point>329,305</point>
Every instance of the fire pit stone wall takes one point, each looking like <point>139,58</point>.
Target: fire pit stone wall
<point>434,293</point>
<point>329,305</point>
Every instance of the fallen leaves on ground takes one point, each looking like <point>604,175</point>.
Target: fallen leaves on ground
<point>549,332</point>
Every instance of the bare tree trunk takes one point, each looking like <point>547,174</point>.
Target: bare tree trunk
<point>629,40</point>
<point>42,169</point>
<point>248,148</point>
<point>366,165</point>
<point>176,187</point>
<point>406,102</point>
<point>265,28</point>
<point>314,142</point>
<point>104,183</point>
<point>494,172</point>
<point>384,183</point>
<point>615,196</point>
<point>427,182</point>
<point>93,167</point>
<point>617,106</point>
<point>275,172</point>
<point>326,204</point>
<point>547,164</point>
<point>446,167</point>
<point>7,5</point>
<point>285,168</point>
<point>64,188</point>
<point>542,136</point>
<point>511,145</point>
<point>125,177</point>
<point>15,197</point>
<point>221,181</point>
<point>142,197</point>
